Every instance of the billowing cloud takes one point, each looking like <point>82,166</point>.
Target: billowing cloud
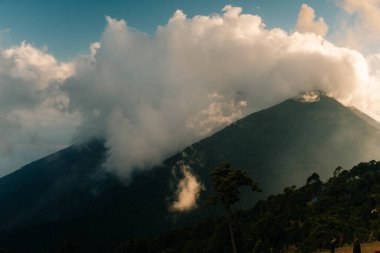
<point>361,25</point>
<point>187,192</point>
<point>32,118</point>
<point>306,22</point>
<point>151,96</point>
<point>28,76</point>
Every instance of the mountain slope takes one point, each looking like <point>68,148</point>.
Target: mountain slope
<point>284,144</point>
<point>305,218</point>
<point>68,192</point>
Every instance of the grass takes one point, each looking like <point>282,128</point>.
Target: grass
<point>366,248</point>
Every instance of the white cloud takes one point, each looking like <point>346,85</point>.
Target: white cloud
<point>306,22</point>
<point>151,96</point>
<point>187,192</point>
<point>34,65</point>
<point>32,121</point>
<point>360,27</point>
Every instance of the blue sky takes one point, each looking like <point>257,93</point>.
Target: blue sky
<point>68,27</point>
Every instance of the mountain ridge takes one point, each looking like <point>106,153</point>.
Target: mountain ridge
<point>279,146</point>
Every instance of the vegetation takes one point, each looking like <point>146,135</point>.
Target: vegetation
<point>226,182</point>
<point>304,218</point>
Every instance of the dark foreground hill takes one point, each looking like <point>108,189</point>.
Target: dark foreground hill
<point>67,195</point>
<point>301,219</point>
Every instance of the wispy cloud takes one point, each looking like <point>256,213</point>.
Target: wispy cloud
<point>187,192</point>
<point>360,26</point>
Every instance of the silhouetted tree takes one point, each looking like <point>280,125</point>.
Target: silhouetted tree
<point>313,179</point>
<point>226,182</point>
<point>69,247</point>
<point>337,171</point>
<point>307,217</point>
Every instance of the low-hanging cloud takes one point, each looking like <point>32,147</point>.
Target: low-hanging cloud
<point>188,191</point>
<point>150,96</point>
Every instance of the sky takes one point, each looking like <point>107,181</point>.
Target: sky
<point>152,77</point>
<point>68,27</point>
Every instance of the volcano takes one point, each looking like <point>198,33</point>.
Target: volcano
<point>68,195</point>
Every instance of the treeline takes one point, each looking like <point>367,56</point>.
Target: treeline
<point>302,219</point>
<point>298,220</point>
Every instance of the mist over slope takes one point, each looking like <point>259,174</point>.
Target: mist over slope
<point>70,193</point>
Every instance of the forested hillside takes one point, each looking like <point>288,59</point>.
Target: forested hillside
<point>304,218</point>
